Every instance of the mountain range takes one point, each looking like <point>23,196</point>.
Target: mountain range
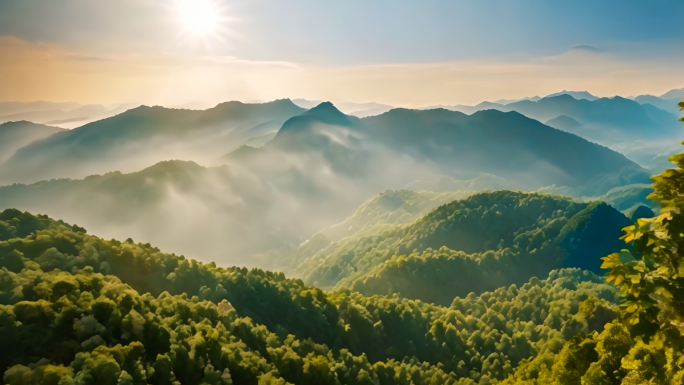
<point>667,101</point>
<point>640,131</point>
<point>319,167</point>
<point>599,118</point>
<point>509,145</point>
<point>143,136</point>
<point>65,115</point>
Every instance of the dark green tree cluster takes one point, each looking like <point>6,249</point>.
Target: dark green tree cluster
<point>71,308</point>
<point>88,328</point>
<point>484,337</point>
<point>505,235</point>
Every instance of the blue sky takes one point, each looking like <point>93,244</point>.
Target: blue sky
<point>321,39</point>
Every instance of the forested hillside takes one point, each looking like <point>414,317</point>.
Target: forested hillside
<point>505,237</point>
<point>200,323</point>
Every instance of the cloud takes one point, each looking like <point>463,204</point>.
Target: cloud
<point>584,47</point>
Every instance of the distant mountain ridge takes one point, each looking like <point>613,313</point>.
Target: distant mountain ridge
<point>115,143</point>
<point>640,131</point>
<point>579,95</point>
<point>508,144</point>
<point>9,108</point>
<point>15,135</point>
<point>68,115</point>
<point>667,101</point>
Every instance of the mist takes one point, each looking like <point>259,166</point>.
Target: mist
<point>184,181</point>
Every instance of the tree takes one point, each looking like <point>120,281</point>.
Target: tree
<point>653,281</point>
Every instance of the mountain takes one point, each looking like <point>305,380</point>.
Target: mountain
<point>509,145</point>
<point>9,108</point>
<point>465,181</point>
<point>441,140</point>
<point>618,114</point>
<point>15,135</point>
<point>600,118</point>
<point>260,140</point>
<point>360,110</point>
<point>144,136</point>
<point>112,312</point>
<point>499,239</point>
<point>507,101</point>
<point>564,123</point>
<point>663,104</point>
<point>502,144</point>
<point>68,118</point>
<point>640,131</point>
<point>215,212</point>
<point>667,102</point>
<point>676,93</point>
<point>628,198</point>
<point>579,95</point>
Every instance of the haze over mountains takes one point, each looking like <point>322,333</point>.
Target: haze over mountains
<point>15,135</point>
<point>273,174</point>
<point>320,166</point>
<point>143,136</point>
<point>636,128</point>
<point>65,115</point>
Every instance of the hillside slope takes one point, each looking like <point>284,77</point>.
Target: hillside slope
<point>15,135</point>
<point>499,238</point>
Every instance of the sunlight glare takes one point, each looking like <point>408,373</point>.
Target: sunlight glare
<point>200,17</point>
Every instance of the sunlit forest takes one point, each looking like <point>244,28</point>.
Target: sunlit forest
<point>215,192</point>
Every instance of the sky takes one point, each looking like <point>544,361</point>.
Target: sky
<point>402,53</point>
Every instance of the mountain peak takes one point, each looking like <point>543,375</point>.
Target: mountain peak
<point>575,94</point>
<point>560,96</point>
<point>327,113</point>
<point>676,93</point>
<point>325,107</point>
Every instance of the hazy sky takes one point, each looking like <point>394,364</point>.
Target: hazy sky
<point>409,53</point>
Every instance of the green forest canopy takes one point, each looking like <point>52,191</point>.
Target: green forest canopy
<point>501,238</point>
<point>71,305</point>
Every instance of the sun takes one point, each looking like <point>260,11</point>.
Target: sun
<point>199,17</point>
